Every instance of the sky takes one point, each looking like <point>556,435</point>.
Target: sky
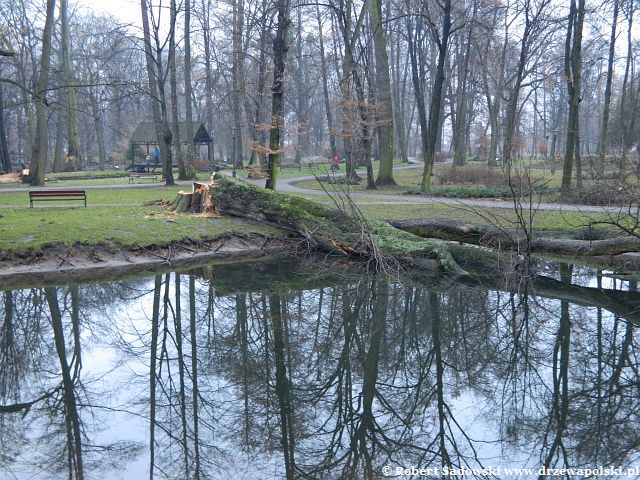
<point>124,10</point>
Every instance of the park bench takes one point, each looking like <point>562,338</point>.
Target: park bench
<point>56,195</point>
<point>143,176</point>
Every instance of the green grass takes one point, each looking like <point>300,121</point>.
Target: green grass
<point>33,229</point>
<point>410,180</point>
<point>24,229</point>
<point>130,222</point>
<point>99,196</point>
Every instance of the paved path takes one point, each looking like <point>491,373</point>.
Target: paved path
<point>288,185</point>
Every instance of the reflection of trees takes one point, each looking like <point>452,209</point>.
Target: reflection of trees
<point>333,381</point>
<point>174,399</point>
<point>43,400</point>
<point>604,409</point>
<point>553,443</point>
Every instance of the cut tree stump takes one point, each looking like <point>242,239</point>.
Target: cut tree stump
<point>196,201</point>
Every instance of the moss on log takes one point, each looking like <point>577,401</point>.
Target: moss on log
<point>493,237</point>
<point>329,229</point>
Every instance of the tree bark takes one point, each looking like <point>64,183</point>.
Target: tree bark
<point>573,71</point>
<point>40,141</point>
<point>436,97</point>
<point>602,140</point>
<point>176,139</point>
<point>280,49</point>
<point>188,93</point>
<point>493,237</point>
<point>158,103</point>
<point>384,103</point>
<point>74,159</point>
<point>5,161</point>
<point>325,89</point>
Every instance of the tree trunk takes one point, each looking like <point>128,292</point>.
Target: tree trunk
<point>302,127</point>
<point>624,94</point>
<point>572,70</point>
<point>493,237</point>
<point>384,102</point>
<point>461,140</point>
<point>176,141</point>
<point>5,161</point>
<point>436,98</point>
<point>58,149</point>
<point>602,140</point>
<point>327,229</point>
<point>416,77</point>
<point>237,74</point>
<point>40,141</point>
<point>156,91</point>
<point>280,49</point>
<point>206,33</point>
<point>188,93</point>
<point>74,159</point>
<point>97,122</point>
<point>325,89</point>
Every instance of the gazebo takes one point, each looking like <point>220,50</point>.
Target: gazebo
<point>145,135</point>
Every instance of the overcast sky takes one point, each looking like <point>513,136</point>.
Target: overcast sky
<point>124,10</point>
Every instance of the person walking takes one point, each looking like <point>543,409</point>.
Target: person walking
<point>335,163</point>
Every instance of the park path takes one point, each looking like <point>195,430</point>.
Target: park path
<point>289,185</point>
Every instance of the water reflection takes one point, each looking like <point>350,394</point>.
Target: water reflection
<point>298,371</point>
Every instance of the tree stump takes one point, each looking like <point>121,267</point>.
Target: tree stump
<point>196,201</point>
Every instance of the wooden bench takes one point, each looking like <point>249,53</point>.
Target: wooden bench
<point>56,195</point>
<point>143,176</point>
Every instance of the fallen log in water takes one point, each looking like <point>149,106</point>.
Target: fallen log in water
<point>496,238</point>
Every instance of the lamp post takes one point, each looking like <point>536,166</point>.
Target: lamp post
<point>233,152</point>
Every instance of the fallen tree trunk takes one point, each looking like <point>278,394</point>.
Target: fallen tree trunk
<point>330,229</point>
<point>493,237</point>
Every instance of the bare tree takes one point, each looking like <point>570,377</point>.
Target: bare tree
<point>40,142</point>
<point>573,72</point>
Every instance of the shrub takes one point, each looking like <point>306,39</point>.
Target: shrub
<point>478,192</point>
<point>603,193</point>
<point>476,176</point>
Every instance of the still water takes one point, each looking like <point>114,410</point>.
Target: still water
<point>314,370</point>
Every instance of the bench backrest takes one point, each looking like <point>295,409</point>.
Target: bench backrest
<point>57,193</point>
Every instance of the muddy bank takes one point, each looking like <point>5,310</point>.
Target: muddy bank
<point>59,264</point>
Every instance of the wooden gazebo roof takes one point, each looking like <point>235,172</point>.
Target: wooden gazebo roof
<point>145,133</point>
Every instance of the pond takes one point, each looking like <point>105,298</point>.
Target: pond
<point>316,369</point>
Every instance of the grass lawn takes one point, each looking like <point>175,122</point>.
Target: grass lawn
<point>99,196</point>
<point>29,229</point>
<point>119,215</point>
<point>409,180</point>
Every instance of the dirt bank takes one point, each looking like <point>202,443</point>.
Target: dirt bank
<point>59,264</point>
